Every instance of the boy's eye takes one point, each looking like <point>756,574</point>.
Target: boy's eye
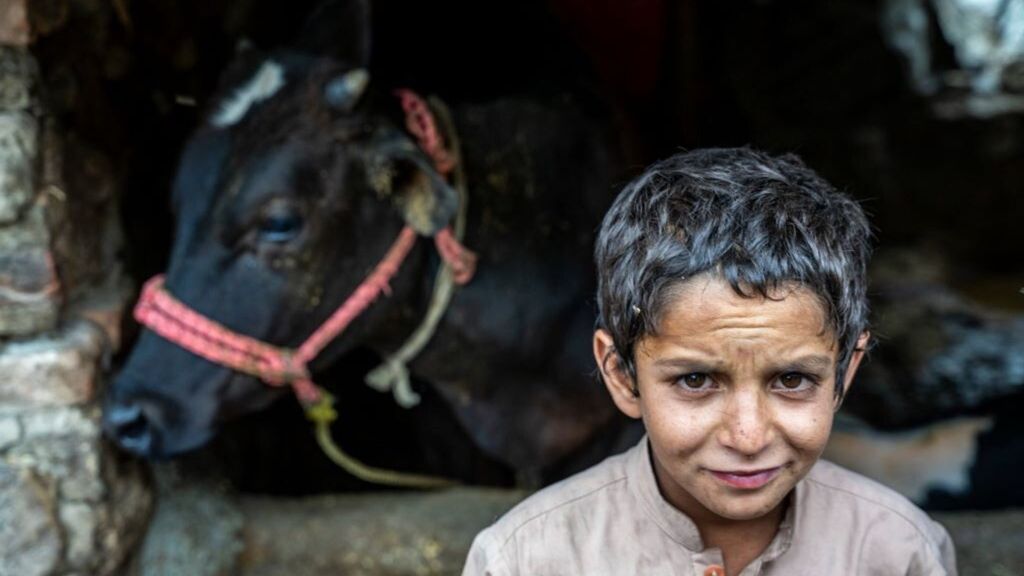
<point>794,382</point>
<point>695,382</point>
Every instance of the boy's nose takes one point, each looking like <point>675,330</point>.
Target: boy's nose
<point>746,424</point>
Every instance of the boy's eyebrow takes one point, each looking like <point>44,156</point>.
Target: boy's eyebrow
<point>689,363</point>
<point>813,363</point>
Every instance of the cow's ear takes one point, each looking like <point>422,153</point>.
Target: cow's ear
<point>424,198</point>
<point>339,29</point>
<point>402,173</point>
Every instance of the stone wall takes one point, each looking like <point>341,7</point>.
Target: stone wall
<point>68,504</point>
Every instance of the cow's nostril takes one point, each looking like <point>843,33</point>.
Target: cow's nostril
<point>130,428</point>
<point>133,429</point>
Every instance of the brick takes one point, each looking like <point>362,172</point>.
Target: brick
<point>55,370</point>
<point>30,542</point>
<point>10,431</point>
<point>57,422</point>
<point>80,525</point>
<point>18,148</point>
<point>71,464</point>
<point>30,292</point>
<point>100,501</point>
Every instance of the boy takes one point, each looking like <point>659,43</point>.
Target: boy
<point>733,316</point>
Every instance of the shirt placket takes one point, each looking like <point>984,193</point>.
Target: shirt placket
<point>709,563</point>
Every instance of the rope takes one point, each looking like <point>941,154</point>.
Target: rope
<point>323,414</point>
<point>393,373</point>
<point>458,268</point>
<point>365,294</point>
<point>162,313</point>
<point>420,123</point>
<point>174,321</point>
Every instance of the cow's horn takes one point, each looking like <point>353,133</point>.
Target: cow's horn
<point>344,91</point>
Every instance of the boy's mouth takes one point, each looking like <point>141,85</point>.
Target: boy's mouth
<point>746,479</point>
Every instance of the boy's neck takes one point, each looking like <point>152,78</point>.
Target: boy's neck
<point>741,541</point>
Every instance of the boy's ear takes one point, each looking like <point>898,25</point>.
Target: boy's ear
<point>851,369</point>
<point>620,384</point>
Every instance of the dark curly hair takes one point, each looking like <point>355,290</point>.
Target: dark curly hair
<point>755,220</point>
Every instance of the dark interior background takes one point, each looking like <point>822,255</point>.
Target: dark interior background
<point>815,78</point>
<point>131,79</point>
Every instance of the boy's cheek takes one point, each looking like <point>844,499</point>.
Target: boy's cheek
<point>680,431</point>
<point>808,432</point>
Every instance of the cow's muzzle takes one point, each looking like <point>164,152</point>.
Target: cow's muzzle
<point>130,427</point>
<point>143,427</point>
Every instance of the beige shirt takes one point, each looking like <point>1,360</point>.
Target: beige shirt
<point>612,519</point>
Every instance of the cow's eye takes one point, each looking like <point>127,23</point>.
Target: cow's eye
<point>280,224</point>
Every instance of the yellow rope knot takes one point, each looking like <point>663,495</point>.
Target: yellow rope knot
<point>322,411</point>
<point>322,414</point>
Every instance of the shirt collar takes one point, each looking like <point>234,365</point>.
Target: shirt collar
<point>677,525</point>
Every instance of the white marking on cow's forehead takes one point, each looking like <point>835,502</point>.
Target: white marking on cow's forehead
<point>264,84</point>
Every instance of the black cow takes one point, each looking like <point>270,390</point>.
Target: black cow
<point>297,184</point>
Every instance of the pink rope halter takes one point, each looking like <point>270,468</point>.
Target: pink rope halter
<point>174,321</point>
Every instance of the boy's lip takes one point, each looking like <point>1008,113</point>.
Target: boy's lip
<point>746,479</point>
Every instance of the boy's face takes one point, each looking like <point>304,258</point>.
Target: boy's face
<point>737,395</point>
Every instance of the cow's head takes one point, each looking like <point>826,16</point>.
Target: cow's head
<point>291,191</point>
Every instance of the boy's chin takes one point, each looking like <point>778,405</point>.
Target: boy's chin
<point>740,510</point>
